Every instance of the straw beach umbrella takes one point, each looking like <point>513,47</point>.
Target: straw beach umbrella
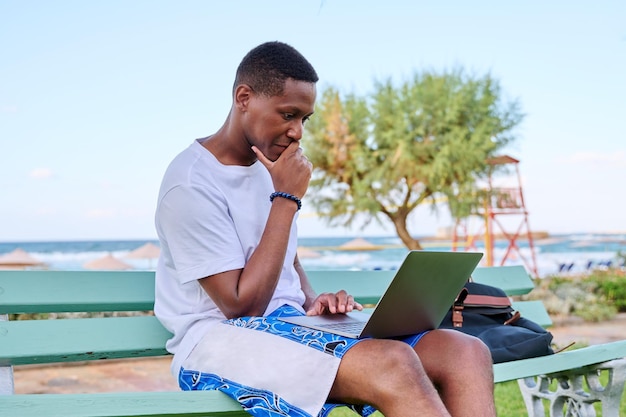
<point>359,244</point>
<point>304,252</point>
<point>148,251</point>
<point>19,259</point>
<point>107,262</point>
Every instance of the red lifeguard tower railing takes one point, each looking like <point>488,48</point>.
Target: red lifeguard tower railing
<point>500,202</point>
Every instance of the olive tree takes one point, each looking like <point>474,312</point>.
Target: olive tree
<point>401,146</point>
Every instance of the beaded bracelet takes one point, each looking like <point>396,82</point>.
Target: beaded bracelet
<point>287,196</point>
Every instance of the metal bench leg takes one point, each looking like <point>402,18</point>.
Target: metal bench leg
<point>576,391</point>
<point>6,372</point>
<point>6,380</point>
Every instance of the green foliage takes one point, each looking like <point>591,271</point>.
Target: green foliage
<point>610,284</point>
<point>401,146</point>
<point>596,312</point>
<point>91,314</point>
<point>29,316</point>
<point>509,401</point>
<point>582,296</point>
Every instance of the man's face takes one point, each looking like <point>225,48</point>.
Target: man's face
<point>272,123</point>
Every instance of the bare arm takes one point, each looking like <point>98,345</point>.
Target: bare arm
<point>248,291</point>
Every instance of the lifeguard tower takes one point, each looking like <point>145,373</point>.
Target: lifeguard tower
<point>499,203</point>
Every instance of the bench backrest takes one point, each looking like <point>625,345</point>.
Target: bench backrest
<point>47,341</point>
<point>89,291</point>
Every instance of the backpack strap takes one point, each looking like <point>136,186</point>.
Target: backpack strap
<point>457,308</point>
<point>477,300</point>
<point>515,317</point>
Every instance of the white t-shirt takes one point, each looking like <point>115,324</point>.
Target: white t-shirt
<point>209,219</point>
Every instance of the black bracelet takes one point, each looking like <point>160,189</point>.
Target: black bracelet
<point>287,196</point>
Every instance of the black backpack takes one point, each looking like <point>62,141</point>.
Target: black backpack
<point>486,312</point>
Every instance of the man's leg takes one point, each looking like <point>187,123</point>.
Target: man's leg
<point>451,375</point>
<point>390,376</point>
<point>461,368</point>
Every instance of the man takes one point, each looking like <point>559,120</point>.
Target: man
<point>226,220</point>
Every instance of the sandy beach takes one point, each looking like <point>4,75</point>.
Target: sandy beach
<point>152,374</point>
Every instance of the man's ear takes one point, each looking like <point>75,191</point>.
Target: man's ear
<point>243,95</point>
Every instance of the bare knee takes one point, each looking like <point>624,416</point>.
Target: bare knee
<point>392,365</point>
<point>452,353</point>
<point>477,357</point>
<point>451,359</point>
<point>398,357</point>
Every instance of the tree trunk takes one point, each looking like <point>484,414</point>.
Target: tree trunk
<point>399,221</point>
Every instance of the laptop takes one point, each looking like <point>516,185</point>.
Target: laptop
<point>417,298</point>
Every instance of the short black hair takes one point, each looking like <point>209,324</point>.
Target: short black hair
<point>266,68</point>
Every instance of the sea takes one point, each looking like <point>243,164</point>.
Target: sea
<point>556,254</point>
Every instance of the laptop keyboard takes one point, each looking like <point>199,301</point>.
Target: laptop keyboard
<point>345,327</point>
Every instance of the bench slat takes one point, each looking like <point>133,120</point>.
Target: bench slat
<point>366,286</point>
<point>559,362</point>
<point>71,291</point>
<point>153,404</point>
<point>513,280</point>
<point>67,340</point>
<point>369,285</point>
<point>535,311</point>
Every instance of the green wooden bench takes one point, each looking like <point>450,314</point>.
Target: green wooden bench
<point>85,339</point>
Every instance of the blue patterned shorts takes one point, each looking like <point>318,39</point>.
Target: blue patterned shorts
<point>262,403</point>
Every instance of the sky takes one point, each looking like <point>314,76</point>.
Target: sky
<point>96,98</point>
